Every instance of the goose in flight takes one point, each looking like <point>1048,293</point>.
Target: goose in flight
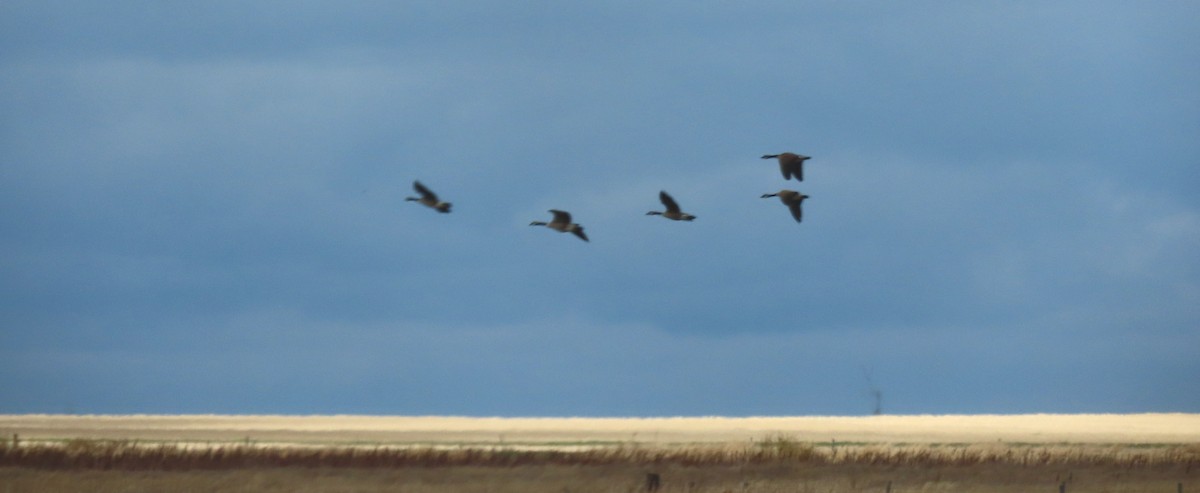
<point>672,211</point>
<point>562,223</point>
<point>790,164</point>
<point>790,198</point>
<point>428,198</point>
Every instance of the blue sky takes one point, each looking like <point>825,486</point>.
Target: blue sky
<point>201,207</point>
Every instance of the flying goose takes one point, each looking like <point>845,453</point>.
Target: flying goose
<point>428,198</point>
<point>790,198</point>
<point>672,211</point>
<point>562,223</point>
<point>790,164</point>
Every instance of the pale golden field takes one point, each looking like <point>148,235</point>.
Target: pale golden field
<point>1111,453</point>
<point>1035,428</point>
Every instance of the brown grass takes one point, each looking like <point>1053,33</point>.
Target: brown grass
<point>128,455</point>
<point>270,455</point>
<point>551,478</point>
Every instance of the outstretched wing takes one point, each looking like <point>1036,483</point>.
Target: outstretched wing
<point>798,167</point>
<point>425,192</point>
<point>792,164</point>
<point>668,202</point>
<point>560,217</point>
<point>796,212</point>
<point>578,230</point>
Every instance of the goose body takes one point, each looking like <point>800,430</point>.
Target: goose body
<point>790,164</point>
<point>428,198</point>
<point>562,223</point>
<point>672,212</point>
<point>792,199</point>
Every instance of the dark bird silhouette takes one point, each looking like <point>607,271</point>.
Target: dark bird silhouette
<point>790,164</point>
<point>790,198</point>
<point>562,223</point>
<point>428,198</point>
<point>672,211</point>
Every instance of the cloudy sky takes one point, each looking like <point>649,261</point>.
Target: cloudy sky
<point>202,207</point>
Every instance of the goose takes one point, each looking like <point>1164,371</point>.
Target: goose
<point>428,198</point>
<point>790,198</point>
<point>672,211</point>
<point>562,223</point>
<point>790,164</point>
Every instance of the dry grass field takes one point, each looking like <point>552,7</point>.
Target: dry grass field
<point>1101,453</point>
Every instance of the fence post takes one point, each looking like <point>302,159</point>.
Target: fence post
<point>1062,487</point>
<point>653,481</point>
<point>889,487</point>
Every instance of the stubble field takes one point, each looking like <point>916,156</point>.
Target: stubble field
<point>1109,453</point>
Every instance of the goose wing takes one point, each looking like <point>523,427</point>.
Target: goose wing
<point>426,193</point>
<point>578,231</point>
<point>785,166</point>
<point>668,202</point>
<point>560,217</point>
<point>797,213</point>
<point>798,167</point>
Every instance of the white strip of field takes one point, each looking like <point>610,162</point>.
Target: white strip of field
<point>485,431</point>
